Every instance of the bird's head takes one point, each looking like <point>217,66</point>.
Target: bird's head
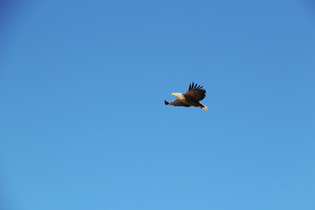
<point>178,95</point>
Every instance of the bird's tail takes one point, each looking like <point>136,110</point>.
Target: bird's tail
<point>204,107</point>
<point>166,103</point>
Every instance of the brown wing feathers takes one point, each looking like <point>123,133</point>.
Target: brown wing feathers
<point>195,92</point>
<point>177,102</point>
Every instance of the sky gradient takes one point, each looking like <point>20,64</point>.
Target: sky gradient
<point>83,120</point>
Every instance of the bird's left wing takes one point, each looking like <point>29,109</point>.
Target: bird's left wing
<point>178,102</point>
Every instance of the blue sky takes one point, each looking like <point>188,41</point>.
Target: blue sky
<point>83,120</point>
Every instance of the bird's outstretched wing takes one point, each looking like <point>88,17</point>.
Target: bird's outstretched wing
<point>177,102</point>
<point>195,92</point>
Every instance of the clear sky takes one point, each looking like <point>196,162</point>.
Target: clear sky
<point>83,120</point>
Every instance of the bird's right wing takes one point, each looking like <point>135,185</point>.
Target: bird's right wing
<point>195,92</point>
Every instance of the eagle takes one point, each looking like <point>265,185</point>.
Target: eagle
<point>192,97</point>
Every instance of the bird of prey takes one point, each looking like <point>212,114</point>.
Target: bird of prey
<point>192,97</point>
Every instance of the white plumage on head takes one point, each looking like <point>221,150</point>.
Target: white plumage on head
<point>179,96</point>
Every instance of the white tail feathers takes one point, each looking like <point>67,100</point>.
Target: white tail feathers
<point>204,107</point>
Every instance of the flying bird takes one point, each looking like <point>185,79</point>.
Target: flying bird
<point>192,97</point>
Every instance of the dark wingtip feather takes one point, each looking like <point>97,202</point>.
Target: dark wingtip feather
<point>195,86</point>
<point>191,86</point>
<point>166,103</point>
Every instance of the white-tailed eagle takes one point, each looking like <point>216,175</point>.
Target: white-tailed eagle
<point>192,97</point>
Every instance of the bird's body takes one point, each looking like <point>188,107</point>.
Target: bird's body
<point>192,97</point>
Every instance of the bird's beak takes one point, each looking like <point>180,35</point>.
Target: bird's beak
<point>173,93</point>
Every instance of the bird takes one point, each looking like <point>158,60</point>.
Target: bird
<point>192,97</point>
